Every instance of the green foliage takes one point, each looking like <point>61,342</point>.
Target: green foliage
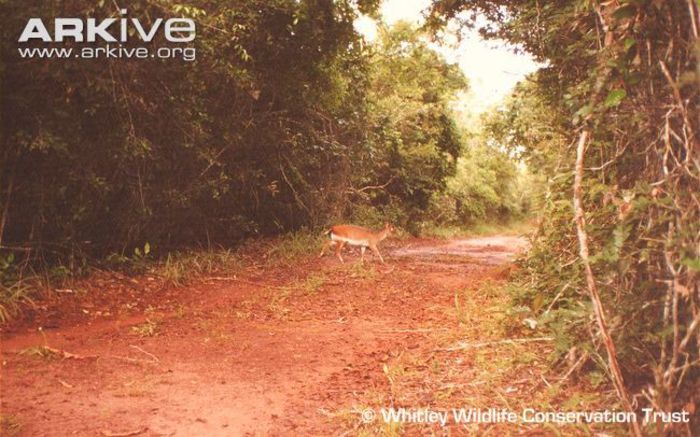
<point>16,290</point>
<point>138,262</point>
<point>627,72</point>
<point>485,186</point>
<point>614,98</point>
<point>287,119</point>
<point>13,297</point>
<point>248,139</point>
<point>294,246</point>
<point>179,267</point>
<point>515,227</point>
<point>490,181</point>
<point>412,141</point>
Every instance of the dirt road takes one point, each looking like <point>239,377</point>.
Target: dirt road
<point>300,349</point>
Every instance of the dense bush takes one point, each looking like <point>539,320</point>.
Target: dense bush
<point>622,85</point>
<point>287,118</point>
<point>413,141</point>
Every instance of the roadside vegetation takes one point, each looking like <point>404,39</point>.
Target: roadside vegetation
<point>609,127</point>
<point>160,172</point>
<point>352,131</point>
<point>515,373</point>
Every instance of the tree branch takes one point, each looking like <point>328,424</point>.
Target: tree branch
<point>579,219</point>
<point>370,187</point>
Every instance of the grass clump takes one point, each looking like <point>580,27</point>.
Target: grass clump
<point>13,297</point>
<point>179,267</point>
<point>293,246</point>
<point>313,283</point>
<point>277,303</point>
<point>147,329</point>
<point>16,288</point>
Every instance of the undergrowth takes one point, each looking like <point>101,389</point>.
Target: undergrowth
<point>476,229</point>
<point>489,359</point>
<point>21,288</point>
<point>293,246</point>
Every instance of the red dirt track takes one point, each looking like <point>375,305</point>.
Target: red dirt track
<point>276,350</point>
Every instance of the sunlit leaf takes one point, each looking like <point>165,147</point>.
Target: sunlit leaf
<point>615,97</point>
<point>692,264</point>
